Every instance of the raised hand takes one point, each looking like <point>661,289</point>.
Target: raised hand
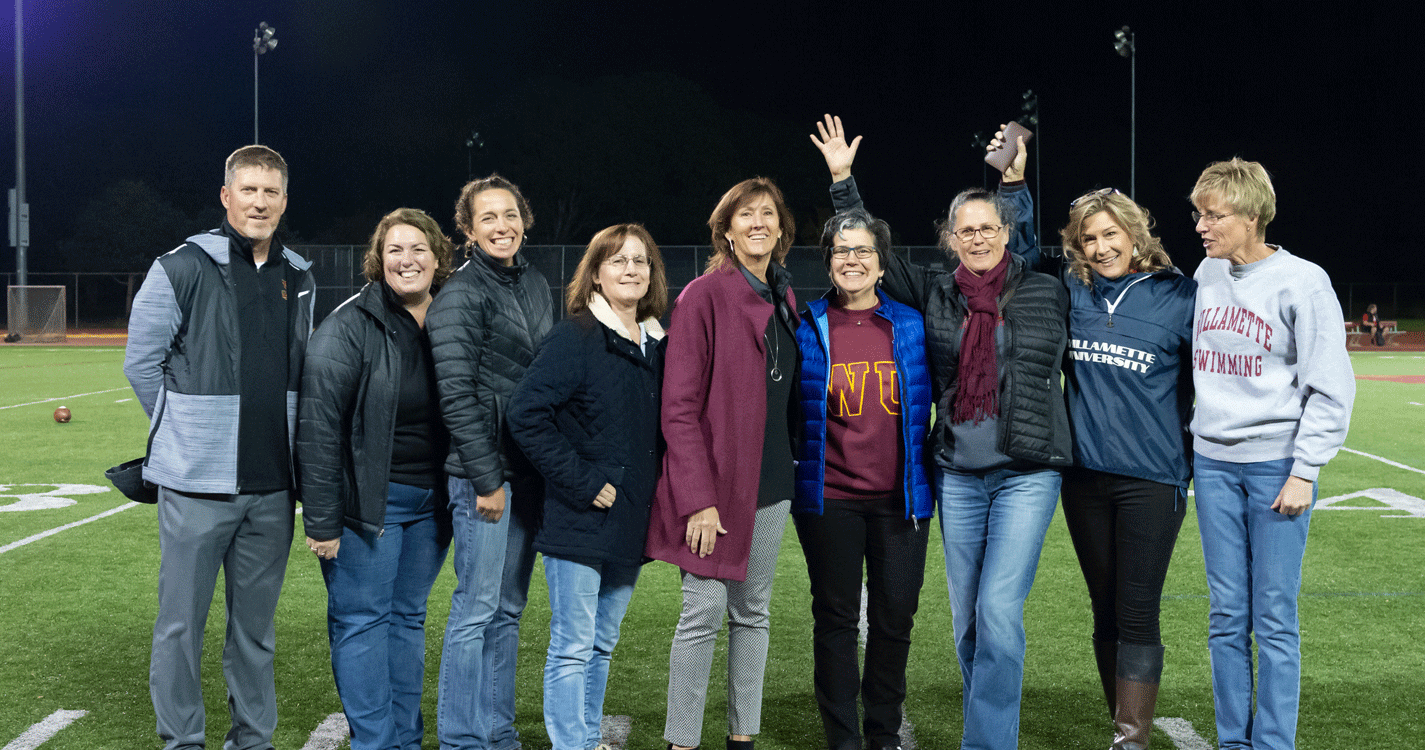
<point>1014,172</point>
<point>838,153</point>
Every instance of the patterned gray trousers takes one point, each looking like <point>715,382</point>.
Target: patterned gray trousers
<point>746,604</point>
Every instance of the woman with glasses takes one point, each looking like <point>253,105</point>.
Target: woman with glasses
<point>995,335</point>
<point>862,491</point>
<point>586,415</point>
<point>726,484</point>
<point>1274,396</point>
<point>1128,376</point>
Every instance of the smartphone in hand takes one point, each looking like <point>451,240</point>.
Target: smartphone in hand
<point>1004,155</point>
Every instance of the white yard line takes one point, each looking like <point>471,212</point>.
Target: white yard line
<point>329,734</point>
<point>57,529</point>
<point>1182,734</point>
<point>44,730</point>
<point>1385,461</point>
<point>64,398</point>
<point>615,729</point>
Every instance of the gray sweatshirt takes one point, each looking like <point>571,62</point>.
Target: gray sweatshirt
<point>1270,367</point>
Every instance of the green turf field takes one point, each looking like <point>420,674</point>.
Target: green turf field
<point>77,606</point>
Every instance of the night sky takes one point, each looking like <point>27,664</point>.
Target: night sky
<point>371,103</point>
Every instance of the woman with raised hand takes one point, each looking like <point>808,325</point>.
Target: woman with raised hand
<point>995,336</point>
<point>370,444</point>
<point>726,484</point>
<point>862,490</point>
<point>586,415</point>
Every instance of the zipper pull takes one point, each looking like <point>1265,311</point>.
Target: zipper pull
<point>1110,320</point>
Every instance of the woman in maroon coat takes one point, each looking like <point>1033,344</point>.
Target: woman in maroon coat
<point>726,485</point>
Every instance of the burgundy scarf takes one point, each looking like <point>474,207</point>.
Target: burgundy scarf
<point>977,396</point>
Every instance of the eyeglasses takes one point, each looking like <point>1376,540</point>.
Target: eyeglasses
<point>1095,194</point>
<point>1210,218</point>
<point>989,232</point>
<point>640,262</point>
<point>862,251</point>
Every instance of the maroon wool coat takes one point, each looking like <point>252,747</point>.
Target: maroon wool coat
<point>714,414</point>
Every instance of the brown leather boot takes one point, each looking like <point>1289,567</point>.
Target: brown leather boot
<point>1140,668</point>
<point>1105,654</point>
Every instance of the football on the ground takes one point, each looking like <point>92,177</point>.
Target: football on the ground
<point>62,414</point>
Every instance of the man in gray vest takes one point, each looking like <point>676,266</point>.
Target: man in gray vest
<point>216,341</point>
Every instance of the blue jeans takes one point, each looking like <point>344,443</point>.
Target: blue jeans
<point>1253,559</point>
<point>493,563</point>
<point>587,602</point>
<point>993,524</point>
<point>376,610</point>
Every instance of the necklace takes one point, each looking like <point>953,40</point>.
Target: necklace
<point>775,344</point>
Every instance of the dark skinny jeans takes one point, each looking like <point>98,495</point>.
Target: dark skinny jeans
<point>1123,529</point>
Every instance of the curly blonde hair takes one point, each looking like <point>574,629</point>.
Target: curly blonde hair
<point>1148,252</point>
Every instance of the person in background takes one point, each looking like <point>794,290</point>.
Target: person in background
<point>586,414</point>
<point>485,328</point>
<point>995,333</point>
<point>726,482</point>
<point>1370,326</point>
<point>370,449</point>
<point>862,487</point>
<point>1274,395</point>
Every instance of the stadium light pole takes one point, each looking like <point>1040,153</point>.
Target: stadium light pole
<point>19,209</point>
<point>264,38</point>
<point>472,144</point>
<point>1123,44</point>
<point>979,142</point>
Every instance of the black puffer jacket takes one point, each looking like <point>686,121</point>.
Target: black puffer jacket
<point>351,385</point>
<point>1033,419</point>
<point>586,414</point>
<point>485,327</point>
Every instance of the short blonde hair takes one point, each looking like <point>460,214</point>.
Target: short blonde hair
<point>1148,252</point>
<point>440,245</point>
<point>1243,185</point>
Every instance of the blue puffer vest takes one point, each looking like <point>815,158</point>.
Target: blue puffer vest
<point>913,376</point>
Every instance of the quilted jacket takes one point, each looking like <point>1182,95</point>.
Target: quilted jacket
<point>586,415</point>
<point>1034,308</point>
<point>347,417</point>
<point>485,327</point>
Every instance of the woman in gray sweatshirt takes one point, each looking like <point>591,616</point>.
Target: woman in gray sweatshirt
<point>1274,393</point>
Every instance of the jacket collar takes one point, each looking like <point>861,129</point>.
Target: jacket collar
<point>219,244</point>
<point>604,313</point>
<point>506,274</point>
<point>371,300</point>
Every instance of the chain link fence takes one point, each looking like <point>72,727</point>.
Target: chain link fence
<point>101,299</point>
